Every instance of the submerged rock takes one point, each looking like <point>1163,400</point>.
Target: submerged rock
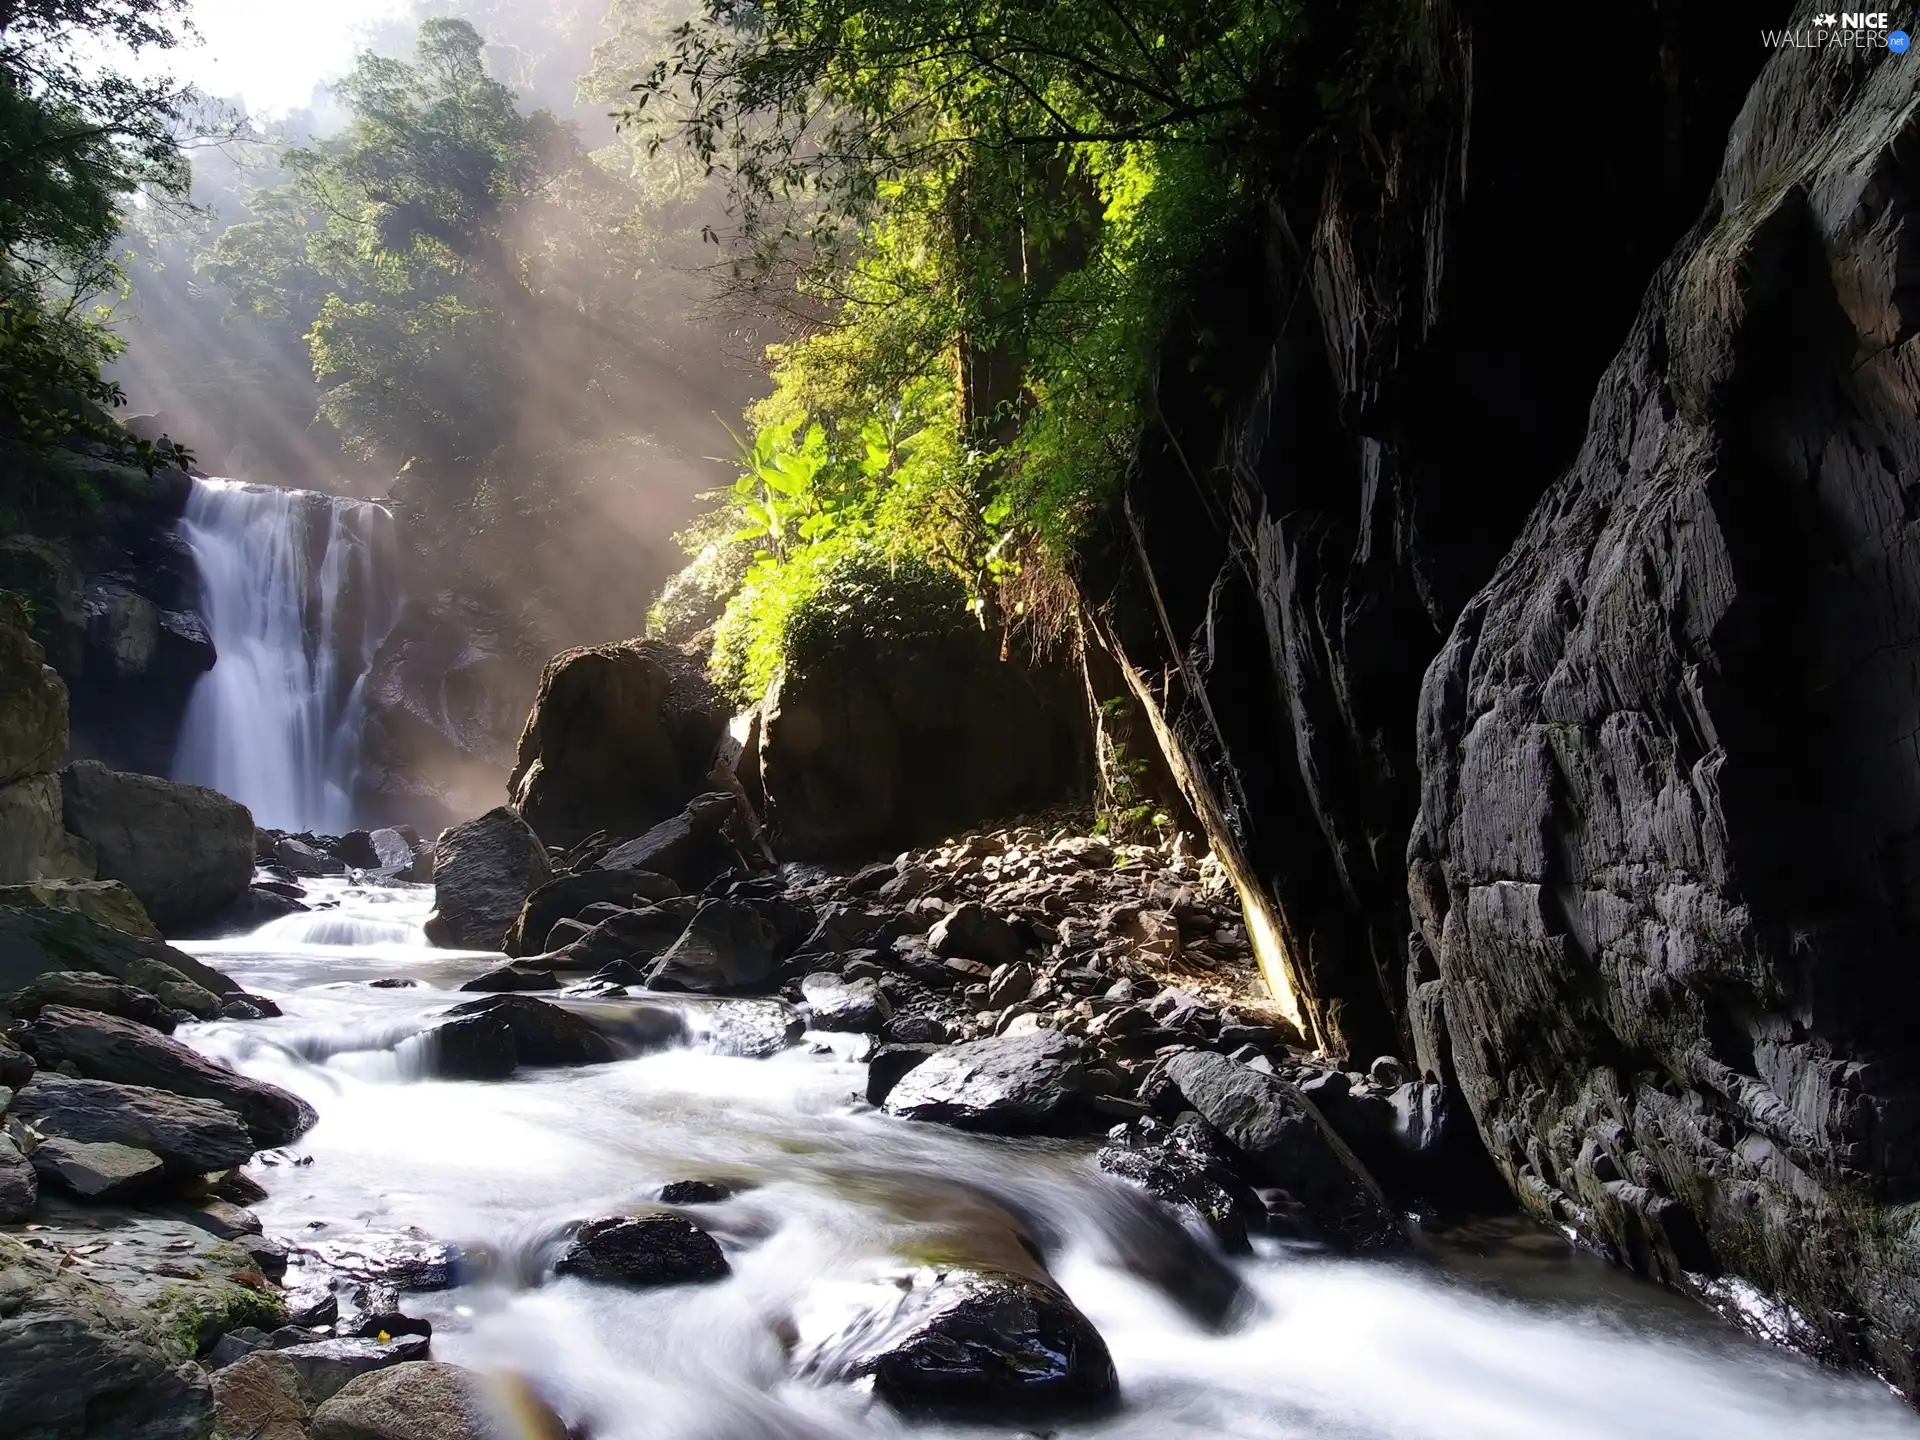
<point>184,850</point>
<point>546,1034</point>
<point>969,1341</point>
<point>643,1250</point>
<point>191,1137</point>
<point>473,1047</point>
<point>105,1047</point>
<point>483,872</point>
<point>1010,1085</point>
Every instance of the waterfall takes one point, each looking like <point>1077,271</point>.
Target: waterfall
<point>298,590</point>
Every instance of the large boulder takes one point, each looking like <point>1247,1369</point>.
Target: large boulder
<point>103,1171</point>
<point>619,738</point>
<point>1288,1144</point>
<point>959,1341</point>
<point>565,896</point>
<point>1666,867</point>
<point>629,937</point>
<point>1007,1085</point>
<point>686,847</point>
<point>105,1047</point>
<point>35,843</point>
<point>41,940</point>
<point>895,721</point>
<point>545,1034</point>
<point>185,850</point>
<point>33,699</point>
<point>727,949</point>
<point>191,1137</point>
<point>483,872</point>
<point>78,1363</point>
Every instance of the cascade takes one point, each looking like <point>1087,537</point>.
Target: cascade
<point>298,589</point>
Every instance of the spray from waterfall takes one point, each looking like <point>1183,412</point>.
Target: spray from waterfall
<point>298,590</point>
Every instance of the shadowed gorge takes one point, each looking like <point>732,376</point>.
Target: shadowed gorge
<point>782,719</point>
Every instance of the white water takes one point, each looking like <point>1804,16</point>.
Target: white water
<point>1510,1338</point>
<point>298,590</point>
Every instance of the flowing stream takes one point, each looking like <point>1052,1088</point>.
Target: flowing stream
<point>298,589</point>
<point>1502,1333</point>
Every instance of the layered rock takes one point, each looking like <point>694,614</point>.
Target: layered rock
<point>619,738</point>
<point>1665,872</point>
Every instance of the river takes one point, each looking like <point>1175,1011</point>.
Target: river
<point>1502,1332</point>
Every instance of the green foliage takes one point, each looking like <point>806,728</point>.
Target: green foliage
<point>1127,811</point>
<point>697,595</point>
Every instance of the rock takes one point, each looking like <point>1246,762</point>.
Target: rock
<point>643,1250</point>
<point>85,990</point>
<point>973,932</point>
<point>693,1192</point>
<point>1288,1143</point>
<point>546,1034</point>
<point>505,979</point>
<point>40,941</point>
<point>184,850</point>
<point>619,737</point>
<point>78,1363</point>
<point>33,721</point>
<point>475,1047</point>
<point>1189,1167</point>
<point>957,1341</point>
<point>1009,985</point>
<point>16,1066</point>
<point>1009,1085</point>
<point>394,1260</point>
<point>853,1005</point>
<point>99,1171</point>
<point>230,1349</point>
<point>631,935</point>
<point>887,1065</point>
<point>325,1367</point>
<point>257,905</point>
<point>35,843</point>
<point>19,1186</point>
<point>916,1030</point>
<point>753,1029</point>
<point>191,1137</point>
<point>303,859</point>
<point>105,1047</point>
<point>483,872</point>
<point>565,896</point>
<point>393,852</point>
<point>259,1397</point>
<point>106,902</point>
<point>425,1400</point>
<point>686,848</point>
<point>727,948</point>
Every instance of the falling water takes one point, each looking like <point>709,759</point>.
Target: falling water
<point>299,589</point>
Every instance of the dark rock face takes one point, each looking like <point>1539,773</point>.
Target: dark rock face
<point>1191,1168</point>
<point>1665,866</point>
<point>1289,1144</point>
<point>16,1066</point>
<point>620,737</point>
<point>184,850</point>
<point>565,896</point>
<point>191,1137</point>
<point>104,1047</point>
<point>871,743</point>
<point>686,847</point>
<point>545,1034</point>
<point>727,949</point>
<point>506,979</point>
<point>643,1250</point>
<point>77,1362</point>
<point>963,1341</point>
<point>1009,1085</point>
<point>1281,568</point>
<point>483,872</point>
<point>473,1047</point>
<point>631,936</point>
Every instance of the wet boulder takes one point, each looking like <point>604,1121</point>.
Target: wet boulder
<point>566,896</point>
<point>483,872</point>
<point>426,1400</point>
<point>191,1137</point>
<point>184,850</point>
<point>1288,1144</point>
<point>643,1250</point>
<point>506,979</point>
<point>728,948</point>
<point>545,1034</point>
<point>687,848</point>
<point>1189,1167</point>
<point>1007,1085</point>
<point>79,1363</point>
<point>297,857</point>
<point>16,1066</point>
<point>618,739</point>
<point>959,1341</point>
<point>473,1047</point>
<point>105,1047</point>
<point>753,1029</point>
<point>100,1171</point>
<point>852,1005</point>
<point>86,990</point>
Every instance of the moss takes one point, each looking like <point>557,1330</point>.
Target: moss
<point>194,1314</point>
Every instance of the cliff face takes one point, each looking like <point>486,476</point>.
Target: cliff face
<point>1410,349</point>
<point>1670,787</point>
